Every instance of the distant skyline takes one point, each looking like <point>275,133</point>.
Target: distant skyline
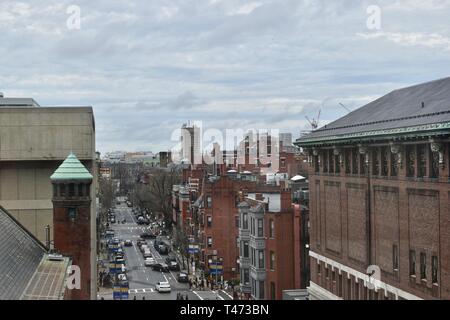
<point>147,67</point>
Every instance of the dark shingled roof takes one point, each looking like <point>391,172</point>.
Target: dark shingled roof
<point>20,256</point>
<point>398,109</point>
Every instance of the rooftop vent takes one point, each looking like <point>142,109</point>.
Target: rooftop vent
<point>1,95</point>
<point>55,257</point>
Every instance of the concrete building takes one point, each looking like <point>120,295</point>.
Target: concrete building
<point>34,140</point>
<point>379,199</point>
<point>191,144</point>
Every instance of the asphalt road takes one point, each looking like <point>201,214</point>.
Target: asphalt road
<point>142,279</point>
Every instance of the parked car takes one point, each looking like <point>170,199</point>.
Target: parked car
<point>147,254</point>
<point>160,267</point>
<point>174,266</point>
<point>163,286</point>
<point>182,277</point>
<point>171,259</point>
<point>128,243</point>
<point>144,248</point>
<point>149,262</point>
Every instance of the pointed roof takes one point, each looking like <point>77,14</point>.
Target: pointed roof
<point>71,169</point>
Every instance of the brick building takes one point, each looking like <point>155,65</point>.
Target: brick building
<point>269,240</point>
<point>72,218</point>
<point>379,199</point>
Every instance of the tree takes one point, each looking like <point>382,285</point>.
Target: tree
<point>157,195</point>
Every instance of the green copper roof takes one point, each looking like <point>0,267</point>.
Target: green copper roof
<point>71,169</point>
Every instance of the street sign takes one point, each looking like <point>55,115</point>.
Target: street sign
<point>193,248</point>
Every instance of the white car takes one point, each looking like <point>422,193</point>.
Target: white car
<point>149,262</point>
<point>163,287</point>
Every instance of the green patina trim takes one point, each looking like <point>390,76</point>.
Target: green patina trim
<point>71,169</point>
<point>386,133</point>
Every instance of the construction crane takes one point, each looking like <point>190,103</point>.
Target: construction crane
<point>315,121</point>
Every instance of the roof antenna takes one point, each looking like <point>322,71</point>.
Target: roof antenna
<point>423,104</point>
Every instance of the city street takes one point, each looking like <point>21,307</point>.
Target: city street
<point>143,279</point>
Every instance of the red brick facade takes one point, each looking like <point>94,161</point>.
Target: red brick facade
<point>379,209</point>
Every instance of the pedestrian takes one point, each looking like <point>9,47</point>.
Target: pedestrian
<point>134,298</point>
<point>143,298</point>
<point>186,297</point>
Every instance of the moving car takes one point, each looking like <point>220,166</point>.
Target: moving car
<point>147,235</point>
<point>163,286</point>
<point>163,249</point>
<point>149,262</point>
<point>174,266</point>
<point>128,243</point>
<point>147,254</point>
<point>160,267</point>
<point>182,277</point>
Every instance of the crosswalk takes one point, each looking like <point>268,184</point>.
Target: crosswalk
<point>148,290</point>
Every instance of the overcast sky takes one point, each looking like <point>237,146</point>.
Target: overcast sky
<point>148,66</point>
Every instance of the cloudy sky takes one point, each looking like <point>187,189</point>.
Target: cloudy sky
<point>147,66</point>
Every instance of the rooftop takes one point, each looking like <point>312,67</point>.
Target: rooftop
<point>420,108</point>
<point>71,169</point>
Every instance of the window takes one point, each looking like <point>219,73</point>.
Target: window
<point>245,249</point>
<point>237,242</point>
<point>434,168</point>
<point>272,228</point>
<point>434,269</point>
<point>272,291</point>
<point>394,164</point>
<point>245,221</point>
<point>272,260</point>
<point>261,264</point>
<point>71,190</point>
<point>246,276</point>
<point>362,164</point>
<point>331,159</point>
<point>421,161</point>
<point>55,190</point>
<point>410,158</point>
<point>423,266</point>
<point>316,164</point>
<point>236,219</point>
<point>261,290</point>
<point>72,212</point>
<point>354,161</point>
<point>325,161</point>
<point>319,270</point>
<point>347,161</point>
<point>375,163</point>
<point>337,164</point>
<point>395,257</point>
<point>80,189</point>
<point>384,161</point>
<point>62,190</point>
<point>210,242</point>
<point>412,262</point>
<point>209,221</point>
<point>208,201</point>
<point>260,228</point>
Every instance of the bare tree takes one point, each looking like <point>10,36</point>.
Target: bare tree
<point>157,195</point>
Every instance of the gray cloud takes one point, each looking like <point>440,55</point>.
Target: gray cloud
<point>148,66</point>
